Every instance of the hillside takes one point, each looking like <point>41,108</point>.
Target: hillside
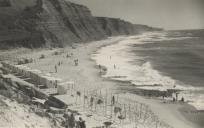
<point>55,23</point>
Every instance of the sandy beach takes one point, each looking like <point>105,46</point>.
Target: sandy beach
<point>101,64</point>
<point>87,76</point>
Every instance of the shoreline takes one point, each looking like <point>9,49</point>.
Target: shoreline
<point>87,73</point>
<point>179,106</point>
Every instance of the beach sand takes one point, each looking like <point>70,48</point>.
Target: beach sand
<point>87,76</point>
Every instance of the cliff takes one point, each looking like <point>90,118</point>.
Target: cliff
<point>115,27</point>
<point>18,24</point>
<point>55,23</point>
<point>68,22</point>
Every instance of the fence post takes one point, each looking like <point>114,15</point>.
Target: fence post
<point>96,101</point>
<point>106,102</point>
<point>130,115</point>
<point>111,105</point>
<point>125,111</point>
<point>117,98</point>
<point>140,110</point>
<point>135,119</point>
<point>84,99</point>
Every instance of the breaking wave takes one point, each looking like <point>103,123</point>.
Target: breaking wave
<point>118,59</point>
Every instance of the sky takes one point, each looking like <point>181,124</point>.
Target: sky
<point>167,14</point>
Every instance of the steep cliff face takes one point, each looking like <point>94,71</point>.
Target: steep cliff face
<point>55,23</point>
<point>68,22</point>
<point>18,24</point>
<point>114,27</point>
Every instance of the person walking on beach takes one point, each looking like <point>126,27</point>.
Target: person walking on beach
<point>182,99</point>
<point>66,116</point>
<point>114,66</point>
<point>71,121</point>
<point>177,96</point>
<point>66,124</point>
<point>82,123</point>
<point>99,66</point>
<point>55,68</point>
<point>56,83</point>
<point>113,100</point>
<point>76,62</point>
<point>91,102</point>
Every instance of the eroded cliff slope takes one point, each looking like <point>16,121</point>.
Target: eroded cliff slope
<point>114,27</point>
<point>55,23</point>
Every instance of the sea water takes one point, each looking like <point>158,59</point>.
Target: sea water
<point>159,61</point>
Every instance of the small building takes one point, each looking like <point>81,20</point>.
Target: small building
<point>64,87</point>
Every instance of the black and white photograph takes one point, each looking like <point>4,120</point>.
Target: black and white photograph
<point>101,63</point>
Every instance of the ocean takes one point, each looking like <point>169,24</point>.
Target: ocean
<point>159,61</point>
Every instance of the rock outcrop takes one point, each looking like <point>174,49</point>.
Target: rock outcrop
<point>55,23</point>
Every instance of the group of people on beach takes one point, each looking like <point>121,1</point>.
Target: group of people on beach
<point>101,68</point>
<point>76,62</point>
<point>58,64</point>
<point>175,98</point>
<point>71,122</point>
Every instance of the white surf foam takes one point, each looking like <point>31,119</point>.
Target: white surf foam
<point>117,59</point>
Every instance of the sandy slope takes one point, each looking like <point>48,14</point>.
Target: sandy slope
<point>14,115</point>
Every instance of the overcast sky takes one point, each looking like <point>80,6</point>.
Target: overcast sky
<point>168,14</point>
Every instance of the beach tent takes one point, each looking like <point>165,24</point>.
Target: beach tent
<point>15,69</point>
<point>62,88</point>
<point>35,75</point>
<point>10,67</point>
<point>50,82</point>
<point>42,80</point>
<point>24,70</point>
